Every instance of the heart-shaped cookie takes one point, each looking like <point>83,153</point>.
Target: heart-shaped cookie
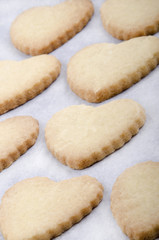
<point>79,136</point>
<point>17,134</point>
<point>39,208</point>
<point>42,29</point>
<point>103,70</point>
<point>128,19</point>
<point>135,201</point>
<point>23,80</point>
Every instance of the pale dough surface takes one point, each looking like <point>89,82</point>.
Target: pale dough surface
<point>135,201</point>
<point>127,19</point>
<point>103,70</point>
<point>81,135</point>
<point>43,29</point>
<point>21,81</point>
<point>17,134</point>
<point>100,224</point>
<point>40,208</point>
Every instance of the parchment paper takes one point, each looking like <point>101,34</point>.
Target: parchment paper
<point>38,161</point>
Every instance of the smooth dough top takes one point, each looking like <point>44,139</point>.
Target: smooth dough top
<point>135,201</point>
<point>125,19</point>
<point>14,132</point>
<point>81,135</point>
<point>18,77</point>
<point>40,208</point>
<point>42,29</point>
<point>102,70</point>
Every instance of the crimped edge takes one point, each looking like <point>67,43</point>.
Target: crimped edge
<point>123,84</point>
<point>29,94</point>
<point>75,219</point>
<point>126,35</point>
<point>144,235</point>
<point>52,233</point>
<point>20,149</point>
<point>123,34</point>
<point>106,150</point>
<point>70,33</point>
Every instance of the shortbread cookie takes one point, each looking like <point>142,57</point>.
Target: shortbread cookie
<point>43,29</point>
<point>39,208</point>
<point>127,19</point>
<point>23,80</point>
<point>79,136</point>
<point>103,70</point>
<point>135,201</point>
<point>17,134</point>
